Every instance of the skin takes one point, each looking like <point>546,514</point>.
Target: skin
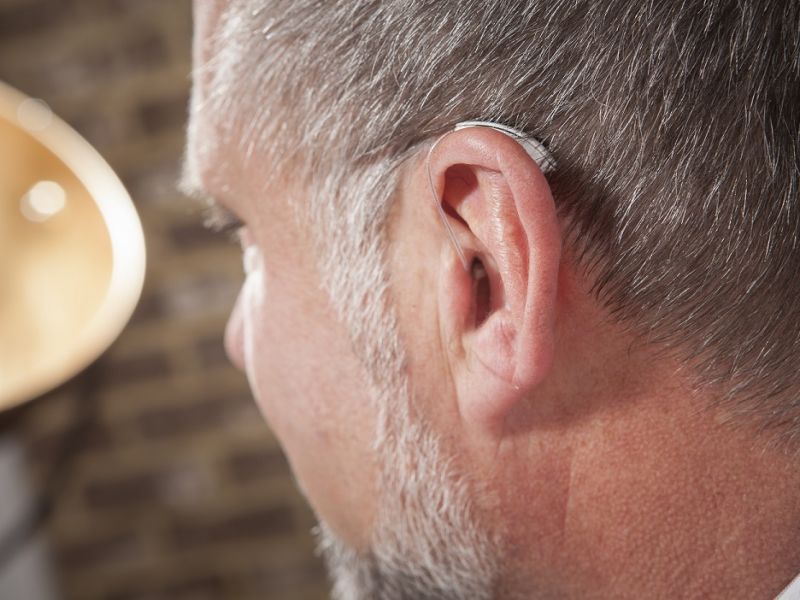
<point>608,477</point>
<point>601,472</point>
<point>282,331</point>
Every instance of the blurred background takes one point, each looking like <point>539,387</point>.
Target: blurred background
<point>164,480</point>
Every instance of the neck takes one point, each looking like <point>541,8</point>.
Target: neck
<point>748,535</point>
<point>617,480</point>
<point>716,518</point>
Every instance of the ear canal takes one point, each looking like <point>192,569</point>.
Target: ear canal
<point>482,291</point>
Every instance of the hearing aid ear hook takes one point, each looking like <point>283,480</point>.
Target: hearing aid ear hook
<point>532,146</point>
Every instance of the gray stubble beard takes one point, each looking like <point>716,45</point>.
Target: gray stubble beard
<point>425,544</point>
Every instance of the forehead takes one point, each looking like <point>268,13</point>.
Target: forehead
<point>242,137</point>
<point>206,13</point>
<point>210,160</point>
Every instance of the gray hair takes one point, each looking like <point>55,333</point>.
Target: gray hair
<point>676,127</point>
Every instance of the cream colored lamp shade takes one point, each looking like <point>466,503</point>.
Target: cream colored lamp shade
<point>72,254</point>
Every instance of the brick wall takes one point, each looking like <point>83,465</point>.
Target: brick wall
<point>179,490</point>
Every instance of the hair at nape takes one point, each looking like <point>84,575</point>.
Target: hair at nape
<point>675,125</point>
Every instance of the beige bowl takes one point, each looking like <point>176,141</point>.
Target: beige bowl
<point>72,254</point>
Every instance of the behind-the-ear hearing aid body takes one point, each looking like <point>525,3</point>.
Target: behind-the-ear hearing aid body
<point>535,149</point>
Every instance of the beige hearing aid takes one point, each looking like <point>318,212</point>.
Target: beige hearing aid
<point>535,149</point>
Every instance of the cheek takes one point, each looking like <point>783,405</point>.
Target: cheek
<point>283,358</point>
<point>311,390</point>
<point>272,359</point>
<point>253,314</point>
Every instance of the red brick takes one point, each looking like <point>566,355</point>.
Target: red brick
<point>88,553</point>
<point>211,351</point>
<point>153,365</point>
<point>125,491</point>
<point>259,524</point>
<point>194,235</point>
<point>150,307</point>
<point>170,113</point>
<point>30,18</point>
<point>45,447</point>
<point>202,587</point>
<point>285,582</point>
<point>172,485</point>
<point>257,464</point>
<point>201,415</point>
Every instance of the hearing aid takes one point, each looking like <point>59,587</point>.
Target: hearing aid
<point>535,149</point>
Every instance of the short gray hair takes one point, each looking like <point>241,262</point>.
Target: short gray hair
<point>676,127</point>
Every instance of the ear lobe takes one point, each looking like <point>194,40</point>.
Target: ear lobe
<point>508,228</point>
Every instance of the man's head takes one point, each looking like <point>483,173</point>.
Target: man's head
<point>589,408</point>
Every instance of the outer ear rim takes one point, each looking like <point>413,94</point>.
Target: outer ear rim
<point>543,232</point>
<point>532,330</point>
<point>533,146</point>
<point>535,149</point>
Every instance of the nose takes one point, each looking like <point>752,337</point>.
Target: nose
<point>234,336</point>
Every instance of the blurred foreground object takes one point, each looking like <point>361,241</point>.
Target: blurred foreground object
<point>72,254</point>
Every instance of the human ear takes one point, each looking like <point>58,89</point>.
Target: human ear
<point>499,313</point>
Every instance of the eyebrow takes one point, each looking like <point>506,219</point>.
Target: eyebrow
<point>215,215</point>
